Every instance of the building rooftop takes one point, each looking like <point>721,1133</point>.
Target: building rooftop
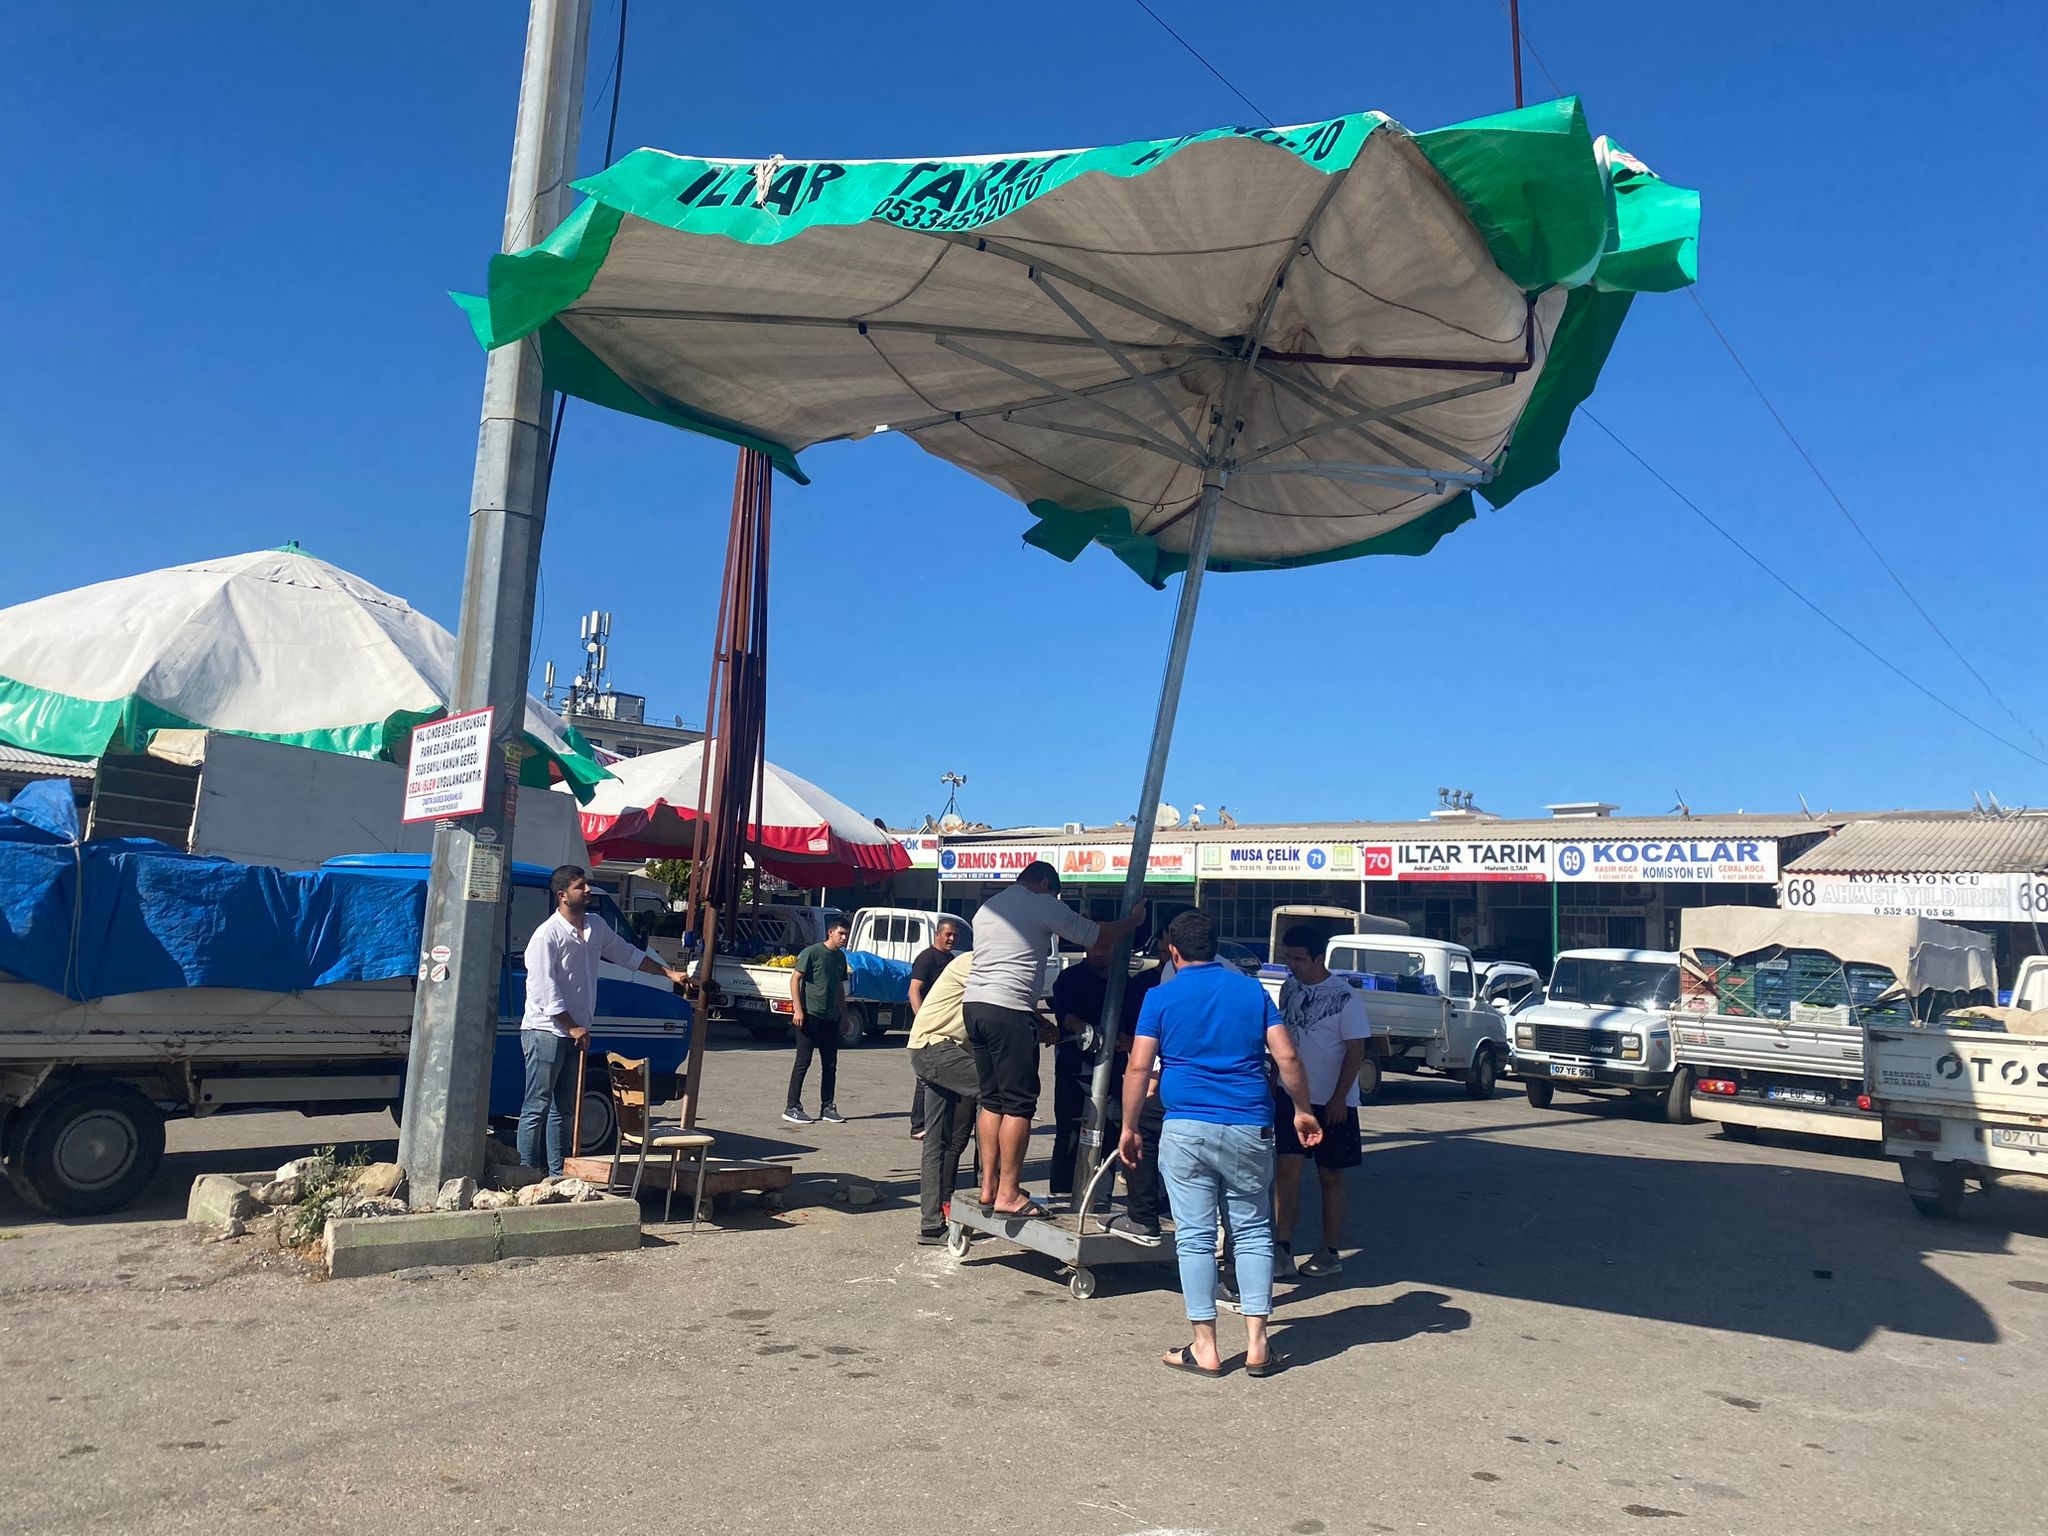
<point>1530,829</point>
<point>1932,845</point>
<point>17,761</point>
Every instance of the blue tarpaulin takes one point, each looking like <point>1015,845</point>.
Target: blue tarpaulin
<point>872,979</point>
<point>129,915</point>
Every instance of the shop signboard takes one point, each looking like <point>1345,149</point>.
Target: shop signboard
<point>1701,860</point>
<point>990,861</point>
<point>1245,859</point>
<point>922,847</point>
<point>1078,863</point>
<point>1954,897</point>
<point>1110,864</point>
<point>1488,859</point>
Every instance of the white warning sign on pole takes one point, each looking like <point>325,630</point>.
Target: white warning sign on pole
<point>445,776</point>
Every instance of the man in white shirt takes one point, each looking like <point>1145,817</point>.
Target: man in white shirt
<point>562,959</point>
<point>1325,1017</point>
<point>1013,934</point>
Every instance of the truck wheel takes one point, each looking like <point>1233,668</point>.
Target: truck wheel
<point>853,1026</point>
<point>1678,1098</point>
<point>1935,1191</point>
<point>1541,1092</point>
<point>599,1126</point>
<point>1481,1076</point>
<point>89,1149</point>
<point>1370,1080</point>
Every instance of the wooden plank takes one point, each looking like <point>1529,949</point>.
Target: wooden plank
<point>722,1175</point>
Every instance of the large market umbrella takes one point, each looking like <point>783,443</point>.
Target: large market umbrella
<point>1245,348</point>
<point>1352,325</point>
<point>273,644</point>
<point>796,831</point>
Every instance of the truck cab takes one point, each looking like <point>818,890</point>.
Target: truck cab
<point>1422,1000</point>
<point>1602,1027</point>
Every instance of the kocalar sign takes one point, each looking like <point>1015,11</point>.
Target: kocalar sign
<point>1707,860</point>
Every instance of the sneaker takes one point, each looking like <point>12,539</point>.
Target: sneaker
<point>1226,1291</point>
<point>829,1113</point>
<point>1320,1266</point>
<point>931,1239</point>
<point>795,1115</point>
<point>1131,1232</point>
<point>1284,1267</point>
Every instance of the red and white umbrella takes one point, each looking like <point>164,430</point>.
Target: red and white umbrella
<point>797,832</point>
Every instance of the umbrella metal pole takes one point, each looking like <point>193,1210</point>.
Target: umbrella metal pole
<point>1215,474</point>
<point>455,1012</point>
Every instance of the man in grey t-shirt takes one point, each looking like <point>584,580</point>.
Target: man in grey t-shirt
<point>1013,933</point>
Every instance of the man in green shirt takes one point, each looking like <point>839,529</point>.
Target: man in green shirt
<point>817,993</point>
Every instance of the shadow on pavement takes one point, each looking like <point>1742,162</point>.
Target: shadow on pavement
<point>1321,1336</point>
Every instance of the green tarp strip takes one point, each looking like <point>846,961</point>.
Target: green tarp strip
<point>63,725</point>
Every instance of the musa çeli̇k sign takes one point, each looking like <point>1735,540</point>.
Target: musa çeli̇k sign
<point>1953,896</point>
<point>1704,860</point>
<point>1246,860</point>
<point>1081,864</point>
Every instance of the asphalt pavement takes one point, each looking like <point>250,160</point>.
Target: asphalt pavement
<point>1575,1320</point>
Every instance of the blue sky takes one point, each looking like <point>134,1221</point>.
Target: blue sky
<point>225,313</point>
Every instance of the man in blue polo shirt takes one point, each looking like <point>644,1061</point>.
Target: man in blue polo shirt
<point>1211,1029</point>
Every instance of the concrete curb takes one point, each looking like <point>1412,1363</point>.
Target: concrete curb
<point>379,1245</point>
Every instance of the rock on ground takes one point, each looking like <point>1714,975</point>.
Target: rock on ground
<point>307,1168</point>
<point>456,1195</point>
<point>492,1199</point>
<point>514,1175</point>
<point>379,1179</point>
<point>278,1191</point>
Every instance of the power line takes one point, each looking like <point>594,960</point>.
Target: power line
<point>1832,622</point>
<point>1264,115</point>
<point>1850,517</point>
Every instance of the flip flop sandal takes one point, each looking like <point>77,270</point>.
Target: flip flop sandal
<point>1188,1363</point>
<point>1274,1365</point>
<point>1030,1210</point>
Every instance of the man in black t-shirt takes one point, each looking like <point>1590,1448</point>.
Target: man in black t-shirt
<point>924,972</point>
<point>1078,998</point>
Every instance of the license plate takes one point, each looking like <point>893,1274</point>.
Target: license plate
<point>1796,1096</point>
<point>2033,1141</point>
<point>1566,1069</point>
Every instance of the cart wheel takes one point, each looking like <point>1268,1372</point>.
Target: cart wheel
<point>1083,1284</point>
<point>956,1241</point>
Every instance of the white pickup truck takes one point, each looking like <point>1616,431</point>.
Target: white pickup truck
<point>756,994</point>
<point>1422,998</point>
<point>1602,1027</point>
<point>1773,1006</point>
<point>1965,1097</point>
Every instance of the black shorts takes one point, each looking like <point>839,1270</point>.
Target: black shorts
<point>1005,1046</point>
<point>1339,1147</point>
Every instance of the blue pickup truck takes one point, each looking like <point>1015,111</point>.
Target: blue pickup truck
<point>637,1015</point>
<point>140,984</point>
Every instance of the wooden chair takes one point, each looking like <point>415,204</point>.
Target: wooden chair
<point>632,1101</point>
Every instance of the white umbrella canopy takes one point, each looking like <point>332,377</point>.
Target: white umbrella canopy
<point>796,831</point>
<point>1343,328</point>
<point>273,643</point>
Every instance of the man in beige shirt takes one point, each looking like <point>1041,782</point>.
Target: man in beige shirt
<point>944,1065</point>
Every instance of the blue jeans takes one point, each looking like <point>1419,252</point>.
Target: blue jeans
<point>1220,1170</point>
<point>550,1097</point>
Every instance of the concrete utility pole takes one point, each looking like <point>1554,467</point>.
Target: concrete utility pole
<point>455,1016</point>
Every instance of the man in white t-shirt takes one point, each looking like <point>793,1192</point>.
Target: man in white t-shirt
<point>1325,1016</point>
